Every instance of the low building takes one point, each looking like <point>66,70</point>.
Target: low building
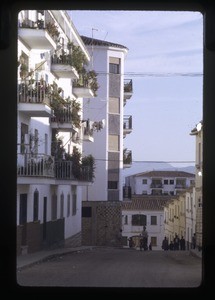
<point>143,211</point>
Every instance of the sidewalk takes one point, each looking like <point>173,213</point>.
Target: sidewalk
<point>26,260</point>
<point>196,252</point>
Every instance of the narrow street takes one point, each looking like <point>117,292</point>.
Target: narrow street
<point>109,267</point>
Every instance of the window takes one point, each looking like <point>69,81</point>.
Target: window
<point>153,220</point>
<point>114,105</point>
<point>144,192</point>
<point>113,142</point>
<point>153,241</point>
<point>36,205</point>
<point>144,181</point>
<point>165,181</point>
<point>114,68</point>
<point>86,212</point>
<point>126,220</point>
<point>138,220</point>
<point>171,181</point>
<point>68,205</point>
<point>112,185</point>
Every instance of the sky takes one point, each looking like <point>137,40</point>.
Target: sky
<point>165,62</point>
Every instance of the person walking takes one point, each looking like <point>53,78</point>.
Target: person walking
<point>165,244</point>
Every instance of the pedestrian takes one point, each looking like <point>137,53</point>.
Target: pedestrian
<point>176,242</point>
<point>194,241</point>
<point>130,242</point>
<point>145,238</point>
<point>171,245</point>
<point>182,243</point>
<point>150,246</point>
<point>141,243</point>
<point>165,245</point>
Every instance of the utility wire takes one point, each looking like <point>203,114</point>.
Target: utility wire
<point>155,74</point>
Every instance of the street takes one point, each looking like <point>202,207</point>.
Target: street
<point>114,267</point>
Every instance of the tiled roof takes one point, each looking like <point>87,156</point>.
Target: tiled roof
<point>159,173</point>
<point>91,41</point>
<point>146,203</point>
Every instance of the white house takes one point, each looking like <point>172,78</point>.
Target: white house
<point>50,131</point>
<point>106,109</point>
<point>144,211</point>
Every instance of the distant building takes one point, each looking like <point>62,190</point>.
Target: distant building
<point>143,211</point>
<point>198,133</point>
<point>180,217</point>
<point>158,183</point>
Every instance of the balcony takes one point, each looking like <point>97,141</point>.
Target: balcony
<point>127,158</point>
<point>36,36</point>
<point>66,170</point>
<point>128,89</point>
<point>62,120</point>
<point>44,166</point>
<point>127,125</point>
<point>35,165</point>
<point>82,91</point>
<point>62,68</point>
<point>86,86</point>
<point>34,100</point>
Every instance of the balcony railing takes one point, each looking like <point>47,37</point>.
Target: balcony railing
<point>40,165</point>
<point>62,66</point>
<point>127,125</point>
<point>127,158</point>
<point>156,185</point>
<point>34,99</point>
<point>66,170</point>
<point>39,34</point>
<point>128,89</point>
<point>33,93</point>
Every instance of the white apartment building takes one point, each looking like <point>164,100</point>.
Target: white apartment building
<point>106,109</point>
<point>50,130</point>
<point>158,183</point>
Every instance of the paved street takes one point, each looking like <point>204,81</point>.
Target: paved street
<point>107,267</point>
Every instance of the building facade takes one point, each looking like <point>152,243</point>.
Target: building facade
<point>198,133</point>
<point>106,109</point>
<point>158,183</point>
<point>144,211</point>
<point>51,169</point>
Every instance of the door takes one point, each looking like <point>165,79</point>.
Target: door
<point>44,217</point>
<point>23,218</point>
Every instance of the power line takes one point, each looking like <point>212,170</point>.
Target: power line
<point>155,74</point>
<point>148,161</point>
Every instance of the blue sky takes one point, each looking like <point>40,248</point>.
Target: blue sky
<point>165,62</point>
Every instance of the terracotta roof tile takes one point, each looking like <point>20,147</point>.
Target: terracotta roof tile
<point>146,203</point>
<point>91,41</point>
<point>159,173</point>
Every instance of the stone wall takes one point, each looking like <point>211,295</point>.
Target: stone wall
<point>101,223</point>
